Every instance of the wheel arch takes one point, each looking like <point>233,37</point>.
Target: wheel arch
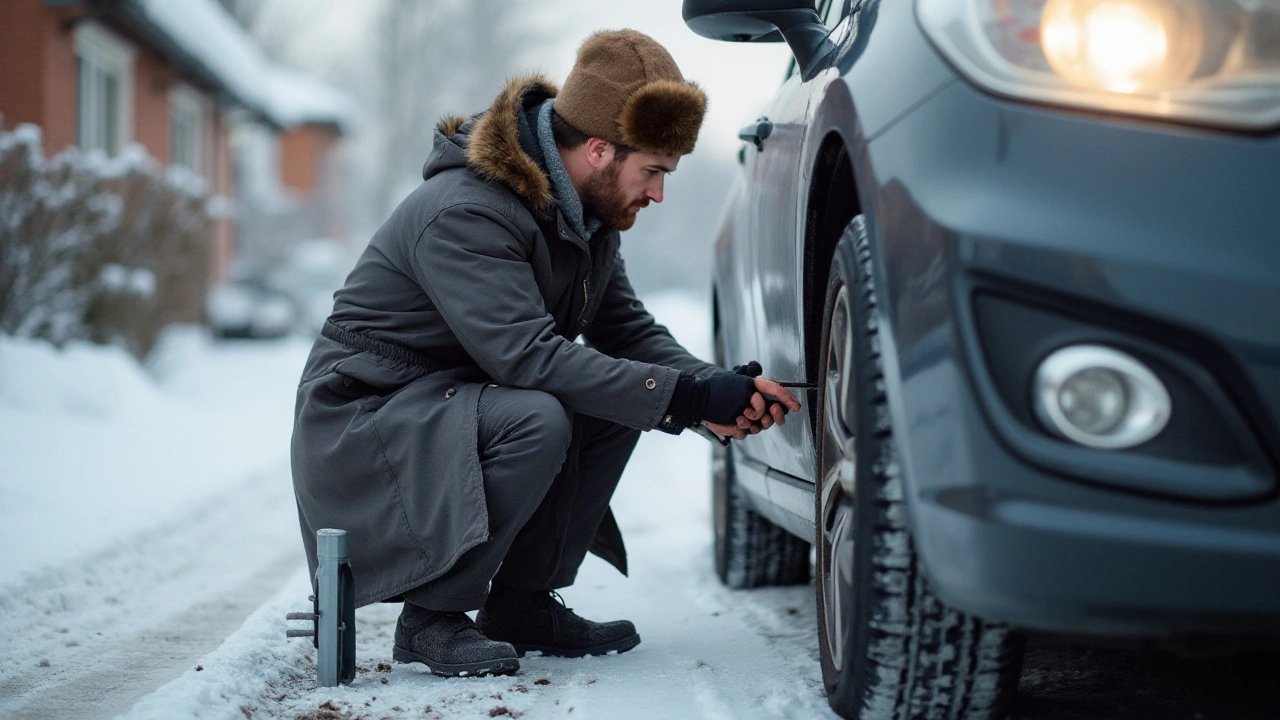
<point>833,201</point>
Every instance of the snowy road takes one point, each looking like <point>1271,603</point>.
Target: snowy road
<point>98,634</point>
<point>145,520</point>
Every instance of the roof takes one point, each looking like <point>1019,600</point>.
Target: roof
<point>205,40</point>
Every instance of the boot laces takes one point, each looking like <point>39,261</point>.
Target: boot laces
<point>553,599</point>
<point>465,626</point>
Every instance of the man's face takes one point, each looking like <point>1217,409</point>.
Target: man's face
<point>616,192</point>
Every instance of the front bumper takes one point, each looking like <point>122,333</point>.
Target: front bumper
<point>1157,238</point>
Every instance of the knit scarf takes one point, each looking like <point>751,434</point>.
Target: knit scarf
<point>561,185</point>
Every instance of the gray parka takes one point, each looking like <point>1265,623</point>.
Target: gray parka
<point>479,273</point>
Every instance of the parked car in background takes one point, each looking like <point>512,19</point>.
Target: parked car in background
<point>311,273</point>
<point>1027,252</point>
<point>249,309</point>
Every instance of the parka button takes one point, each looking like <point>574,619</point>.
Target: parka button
<point>450,393</point>
<point>650,383</point>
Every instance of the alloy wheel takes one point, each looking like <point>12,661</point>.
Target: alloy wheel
<point>837,463</point>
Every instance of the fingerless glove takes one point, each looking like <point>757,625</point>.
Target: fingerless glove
<point>720,399</point>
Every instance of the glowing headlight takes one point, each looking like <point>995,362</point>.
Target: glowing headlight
<point>1209,61</point>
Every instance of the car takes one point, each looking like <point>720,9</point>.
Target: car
<point>1024,252</point>
<point>247,309</point>
<point>311,271</point>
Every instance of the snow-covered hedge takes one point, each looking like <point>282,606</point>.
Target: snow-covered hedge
<point>91,248</point>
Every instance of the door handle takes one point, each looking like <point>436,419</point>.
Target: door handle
<point>756,132</point>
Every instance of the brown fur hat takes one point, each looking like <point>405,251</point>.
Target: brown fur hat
<point>625,88</point>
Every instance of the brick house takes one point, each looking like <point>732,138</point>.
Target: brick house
<point>175,76</point>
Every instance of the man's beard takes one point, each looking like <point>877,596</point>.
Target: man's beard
<point>603,198</point>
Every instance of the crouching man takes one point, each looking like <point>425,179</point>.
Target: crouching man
<point>447,419</point>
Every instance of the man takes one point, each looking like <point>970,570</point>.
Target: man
<point>447,419</point>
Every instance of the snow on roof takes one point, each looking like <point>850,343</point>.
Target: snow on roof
<point>205,30</point>
<point>299,99</point>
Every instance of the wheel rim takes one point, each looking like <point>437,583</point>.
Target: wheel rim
<point>837,463</point>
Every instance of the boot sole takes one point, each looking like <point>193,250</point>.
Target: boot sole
<point>617,646</point>
<point>500,666</point>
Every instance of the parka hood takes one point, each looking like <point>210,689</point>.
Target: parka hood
<point>491,143</point>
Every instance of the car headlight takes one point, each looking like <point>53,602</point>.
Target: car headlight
<point>1205,61</point>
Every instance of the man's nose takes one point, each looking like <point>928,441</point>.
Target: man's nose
<point>654,192</point>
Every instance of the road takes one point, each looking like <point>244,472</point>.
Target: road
<point>100,634</point>
<point>89,638</point>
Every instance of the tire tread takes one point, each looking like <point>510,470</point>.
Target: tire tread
<point>923,660</point>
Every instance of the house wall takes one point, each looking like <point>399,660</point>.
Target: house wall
<point>302,153</point>
<point>152,79</point>
<point>38,86</point>
<point>38,81</point>
<point>221,176</point>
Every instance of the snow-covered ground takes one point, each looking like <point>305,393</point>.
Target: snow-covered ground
<point>145,515</point>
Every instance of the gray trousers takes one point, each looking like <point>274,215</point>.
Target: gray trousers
<point>548,477</point>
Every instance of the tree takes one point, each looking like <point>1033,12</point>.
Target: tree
<point>433,58</point>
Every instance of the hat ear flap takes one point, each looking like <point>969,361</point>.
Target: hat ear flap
<point>663,117</point>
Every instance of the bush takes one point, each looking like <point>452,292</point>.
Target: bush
<point>110,251</point>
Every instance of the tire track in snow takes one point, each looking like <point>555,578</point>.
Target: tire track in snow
<point>88,638</point>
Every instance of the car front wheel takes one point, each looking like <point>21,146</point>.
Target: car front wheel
<point>889,648</point>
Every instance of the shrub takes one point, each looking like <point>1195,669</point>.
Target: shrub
<point>110,251</point>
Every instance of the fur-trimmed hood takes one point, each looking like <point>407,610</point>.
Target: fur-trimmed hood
<point>490,143</point>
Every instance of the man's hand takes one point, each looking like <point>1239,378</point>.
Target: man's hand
<point>760,414</point>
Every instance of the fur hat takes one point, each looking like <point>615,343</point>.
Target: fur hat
<point>625,88</point>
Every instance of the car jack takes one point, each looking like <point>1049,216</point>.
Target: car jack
<point>333,616</point>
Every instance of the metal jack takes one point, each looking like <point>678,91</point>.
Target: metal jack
<point>333,618</point>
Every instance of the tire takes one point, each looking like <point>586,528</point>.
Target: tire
<point>890,650</point>
<point>750,551</point>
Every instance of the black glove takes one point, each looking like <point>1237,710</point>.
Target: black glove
<point>720,399</point>
<point>727,395</point>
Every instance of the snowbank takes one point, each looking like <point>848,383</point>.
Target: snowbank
<point>97,449</point>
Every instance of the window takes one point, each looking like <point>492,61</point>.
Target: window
<point>104,89</point>
<point>830,12</point>
<point>186,128</point>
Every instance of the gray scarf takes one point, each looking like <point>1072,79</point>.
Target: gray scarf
<point>561,185</point>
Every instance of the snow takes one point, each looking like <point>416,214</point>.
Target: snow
<point>297,99</point>
<point>137,281</point>
<point>95,449</point>
<point>206,30</point>
<point>137,503</point>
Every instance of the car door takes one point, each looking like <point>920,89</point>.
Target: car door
<point>778,177</point>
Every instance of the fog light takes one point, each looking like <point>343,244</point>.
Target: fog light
<point>1100,397</point>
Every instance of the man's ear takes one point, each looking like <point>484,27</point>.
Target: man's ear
<point>599,153</point>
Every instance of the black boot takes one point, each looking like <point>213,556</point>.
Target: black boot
<point>539,621</point>
<point>449,643</point>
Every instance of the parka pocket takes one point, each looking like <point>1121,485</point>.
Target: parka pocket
<point>367,380</point>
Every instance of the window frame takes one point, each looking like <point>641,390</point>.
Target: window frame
<point>104,68</point>
<point>185,100</point>
<point>830,13</point>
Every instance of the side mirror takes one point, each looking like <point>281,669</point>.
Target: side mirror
<point>796,21</point>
